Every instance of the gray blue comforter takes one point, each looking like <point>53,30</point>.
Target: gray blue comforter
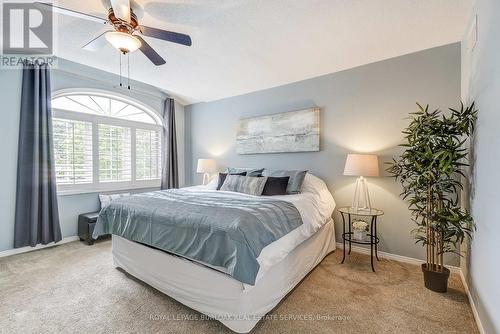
<point>216,228</point>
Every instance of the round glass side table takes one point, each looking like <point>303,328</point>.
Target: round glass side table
<point>372,233</point>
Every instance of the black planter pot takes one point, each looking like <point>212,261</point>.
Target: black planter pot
<point>435,280</point>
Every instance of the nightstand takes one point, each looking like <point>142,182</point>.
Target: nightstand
<point>372,233</point>
<point>86,224</point>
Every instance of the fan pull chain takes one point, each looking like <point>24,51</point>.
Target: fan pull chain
<point>120,69</point>
<point>128,70</point>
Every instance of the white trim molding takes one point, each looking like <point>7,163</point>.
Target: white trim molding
<point>395,257</point>
<point>26,249</point>
<point>472,305</point>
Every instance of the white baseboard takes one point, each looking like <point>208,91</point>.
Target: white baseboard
<point>472,305</point>
<point>14,251</point>
<point>394,257</point>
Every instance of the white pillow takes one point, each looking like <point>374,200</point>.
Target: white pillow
<point>314,185</point>
<point>212,185</point>
<point>107,199</point>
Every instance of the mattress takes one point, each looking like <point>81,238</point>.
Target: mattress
<point>216,294</point>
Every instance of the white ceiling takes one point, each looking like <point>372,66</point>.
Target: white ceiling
<point>241,46</point>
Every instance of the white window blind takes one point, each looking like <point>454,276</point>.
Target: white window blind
<point>147,153</point>
<point>105,143</point>
<point>115,156</point>
<point>72,151</point>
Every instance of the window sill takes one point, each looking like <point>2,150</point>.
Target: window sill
<point>114,188</point>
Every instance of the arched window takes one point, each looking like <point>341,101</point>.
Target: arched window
<point>104,142</point>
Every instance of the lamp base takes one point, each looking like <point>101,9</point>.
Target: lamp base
<point>361,200</point>
<point>206,178</point>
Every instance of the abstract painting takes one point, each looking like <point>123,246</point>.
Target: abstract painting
<point>294,131</point>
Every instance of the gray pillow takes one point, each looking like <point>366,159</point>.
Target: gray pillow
<point>295,181</point>
<point>249,171</point>
<point>244,184</point>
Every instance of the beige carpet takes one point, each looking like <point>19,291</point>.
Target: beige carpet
<point>74,288</point>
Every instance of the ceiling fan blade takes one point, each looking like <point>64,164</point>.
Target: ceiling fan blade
<point>70,12</point>
<point>97,43</point>
<point>150,52</point>
<point>169,36</point>
<point>121,8</point>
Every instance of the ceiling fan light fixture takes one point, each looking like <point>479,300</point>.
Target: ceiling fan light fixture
<point>123,41</point>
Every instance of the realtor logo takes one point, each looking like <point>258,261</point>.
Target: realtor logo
<point>26,29</point>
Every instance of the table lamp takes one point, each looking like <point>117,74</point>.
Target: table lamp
<point>206,166</point>
<point>361,165</point>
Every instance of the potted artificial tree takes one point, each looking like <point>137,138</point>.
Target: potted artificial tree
<point>430,170</point>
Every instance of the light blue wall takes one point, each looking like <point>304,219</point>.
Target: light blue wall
<point>10,93</point>
<point>481,83</point>
<point>362,110</point>
<point>67,75</point>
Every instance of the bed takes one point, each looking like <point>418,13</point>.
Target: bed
<point>238,293</point>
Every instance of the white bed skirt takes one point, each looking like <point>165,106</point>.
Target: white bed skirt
<point>216,294</point>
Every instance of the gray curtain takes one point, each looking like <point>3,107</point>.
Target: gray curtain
<point>37,219</point>
<point>170,170</point>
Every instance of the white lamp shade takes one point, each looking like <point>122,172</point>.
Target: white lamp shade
<point>123,41</point>
<point>361,165</point>
<point>206,166</point>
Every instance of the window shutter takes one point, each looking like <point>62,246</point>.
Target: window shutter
<point>114,153</point>
<point>148,155</point>
<point>105,143</point>
<point>72,151</point>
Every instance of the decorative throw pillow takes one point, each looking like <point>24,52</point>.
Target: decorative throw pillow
<point>244,184</point>
<point>295,181</point>
<point>222,178</point>
<point>276,186</point>
<point>107,199</point>
<point>249,171</point>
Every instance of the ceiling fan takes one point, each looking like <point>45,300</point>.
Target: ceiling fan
<point>127,32</point>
